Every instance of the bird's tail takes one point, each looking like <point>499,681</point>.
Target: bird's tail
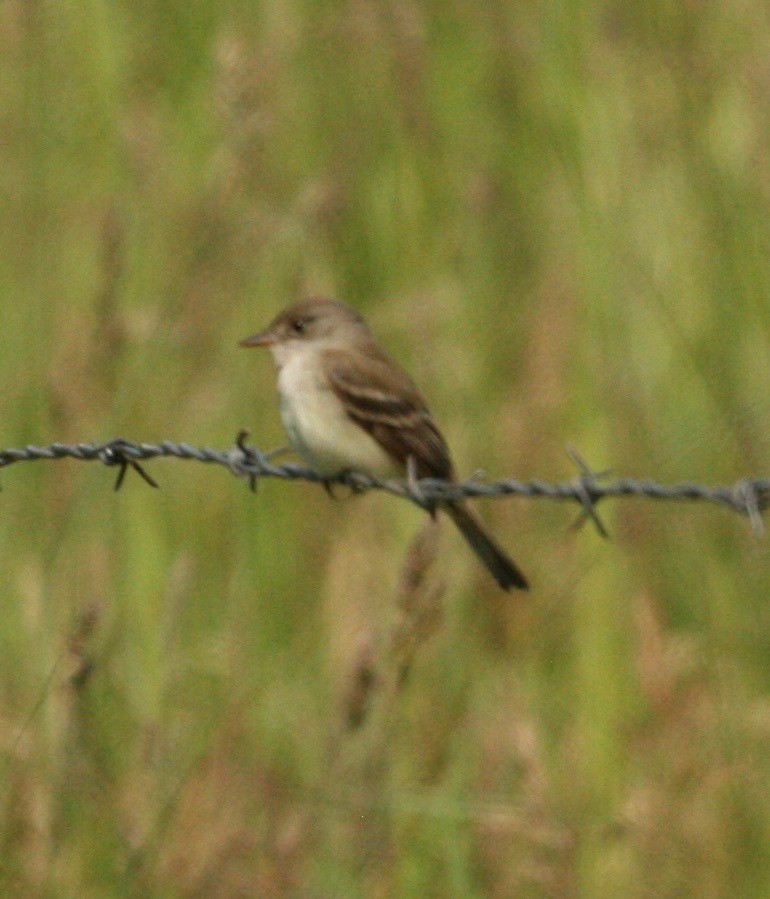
<point>502,568</point>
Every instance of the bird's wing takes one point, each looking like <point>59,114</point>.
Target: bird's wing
<point>381,398</point>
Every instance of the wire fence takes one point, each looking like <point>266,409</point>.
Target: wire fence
<point>749,496</point>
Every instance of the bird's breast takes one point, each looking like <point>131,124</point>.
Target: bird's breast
<point>321,431</point>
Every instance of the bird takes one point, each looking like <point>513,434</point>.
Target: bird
<point>347,405</point>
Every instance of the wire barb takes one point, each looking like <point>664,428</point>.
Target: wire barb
<point>753,502</point>
<point>588,492</point>
<point>413,485</point>
<point>118,452</point>
<point>249,455</point>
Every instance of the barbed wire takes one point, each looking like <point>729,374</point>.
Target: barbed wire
<point>749,496</point>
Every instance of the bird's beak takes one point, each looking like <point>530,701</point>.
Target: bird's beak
<point>264,338</point>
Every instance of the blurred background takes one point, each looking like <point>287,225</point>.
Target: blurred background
<point>556,217</point>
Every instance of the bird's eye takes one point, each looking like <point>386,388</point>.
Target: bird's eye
<point>299,325</point>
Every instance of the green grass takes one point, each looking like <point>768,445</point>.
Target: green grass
<point>556,217</point>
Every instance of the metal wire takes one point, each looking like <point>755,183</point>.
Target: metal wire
<point>749,497</point>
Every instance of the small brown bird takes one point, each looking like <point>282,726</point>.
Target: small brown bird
<point>348,406</point>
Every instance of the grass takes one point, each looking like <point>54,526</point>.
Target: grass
<point>556,217</point>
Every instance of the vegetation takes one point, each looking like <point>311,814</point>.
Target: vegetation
<point>556,215</point>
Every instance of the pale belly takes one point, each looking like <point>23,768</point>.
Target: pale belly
<point>323,434</point>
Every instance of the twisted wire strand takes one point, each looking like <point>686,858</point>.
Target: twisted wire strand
<point>749,496</point>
